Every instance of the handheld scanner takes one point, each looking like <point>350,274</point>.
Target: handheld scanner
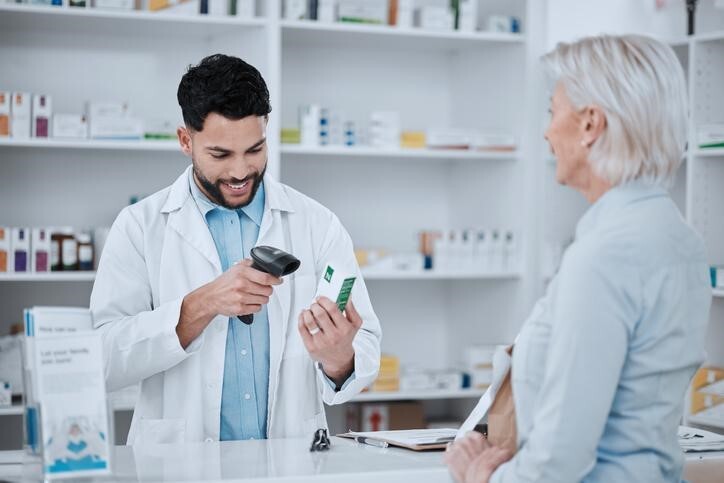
<point>272,261</point>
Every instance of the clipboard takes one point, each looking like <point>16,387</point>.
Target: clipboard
<point>412,439</point>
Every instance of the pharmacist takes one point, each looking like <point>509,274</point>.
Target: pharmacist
<point>174,275</point>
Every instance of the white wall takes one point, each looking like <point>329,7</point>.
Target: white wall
<point>570,19</point>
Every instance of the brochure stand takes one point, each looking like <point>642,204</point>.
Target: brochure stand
<point>68,424</point>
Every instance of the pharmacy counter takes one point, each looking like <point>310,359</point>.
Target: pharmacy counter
<point>290,461</point>
<point>287,460</point>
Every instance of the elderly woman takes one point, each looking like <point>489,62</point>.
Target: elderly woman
<point>601,366</point>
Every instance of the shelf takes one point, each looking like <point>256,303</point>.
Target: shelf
<point>14,410</point>
<point>717,292</point>
<point>340,34</point>
<point>368,274</point>
<point>679,42</point>
<point>48,277</point>
<point>376,274</point>
<point>396,153</point>
<point>709,152</point>
<point>705,421</point>
<point>93,144</point>
<point>710,36</point>
<point>428,395</point>
<point>93,21</point>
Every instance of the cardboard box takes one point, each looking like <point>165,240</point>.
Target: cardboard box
<point>704,377</point>
<point>435,18</point>
<point>245,8</point>
<point>42,113</point>
<point>4,249</point>
<point>114,4</point>
<point>20,249</point>
<point>5,99</point>
<point>20,115</point>
<point>40,250</point>
<point>70,126</point>
<point>388,416</point>
<point>294,9</point>
<point>364,11</point>
<point>6,395</point>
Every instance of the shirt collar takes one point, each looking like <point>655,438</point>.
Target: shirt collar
<point>615,199</point>
<point>254,210</point>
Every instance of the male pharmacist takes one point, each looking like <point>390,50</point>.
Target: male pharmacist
<point>175,274</point>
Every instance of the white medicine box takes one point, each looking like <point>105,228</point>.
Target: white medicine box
<point>20,109</point>
<point>70,126</point>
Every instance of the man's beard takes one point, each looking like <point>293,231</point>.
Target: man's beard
<point>213,190</point>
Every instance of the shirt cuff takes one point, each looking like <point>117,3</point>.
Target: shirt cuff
<point>332,383</point>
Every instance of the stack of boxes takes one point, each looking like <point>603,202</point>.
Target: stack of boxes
<point>389,375</point>
<point>24,250</point>
<point>707,394</point>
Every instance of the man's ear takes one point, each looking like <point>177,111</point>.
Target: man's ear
<point>184,139</point>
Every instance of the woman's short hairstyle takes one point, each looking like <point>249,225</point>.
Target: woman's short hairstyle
<point>639,83</point>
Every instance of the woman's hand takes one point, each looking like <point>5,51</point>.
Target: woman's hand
<point>473,459</point>
<point>483,467</point>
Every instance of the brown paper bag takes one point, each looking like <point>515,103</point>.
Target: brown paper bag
<point>502,430</point>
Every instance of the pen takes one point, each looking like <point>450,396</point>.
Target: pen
<point>371,442</point>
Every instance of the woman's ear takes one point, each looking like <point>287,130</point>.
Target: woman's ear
<point>184,140</point>
<point>593,120</point>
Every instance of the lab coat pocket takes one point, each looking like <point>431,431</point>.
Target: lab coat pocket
<point>162,431</point>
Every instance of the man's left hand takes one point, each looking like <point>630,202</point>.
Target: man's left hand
<point>328,334</point>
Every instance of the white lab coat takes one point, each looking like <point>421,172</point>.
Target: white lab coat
<point>159,250</point>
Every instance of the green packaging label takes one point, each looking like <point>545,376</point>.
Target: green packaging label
<point>329,273</point>
<point>344,293</point>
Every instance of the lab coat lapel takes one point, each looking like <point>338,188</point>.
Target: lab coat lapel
<point>184,218</point>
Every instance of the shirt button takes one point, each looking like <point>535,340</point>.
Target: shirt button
<point>247,396</point>
<point>243,352</point>
<point>209,440</point>
<point>210,385</point>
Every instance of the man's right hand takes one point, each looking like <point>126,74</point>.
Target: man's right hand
<point>241,290</point>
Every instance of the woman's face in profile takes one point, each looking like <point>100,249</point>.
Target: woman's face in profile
<point>565,134</point>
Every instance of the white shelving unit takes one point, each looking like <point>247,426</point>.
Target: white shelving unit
<point>14,410</point>
<point>48,277</point>
<point>704,421</point>
<point>91,144</point>
<point>98,22</point>
<point>343,152</point>
<point>384,197</point>
<point>418,395</point>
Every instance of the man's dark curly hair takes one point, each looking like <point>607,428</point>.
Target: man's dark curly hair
<point>225,85</point>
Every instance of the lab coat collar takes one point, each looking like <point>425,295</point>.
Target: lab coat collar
<point>614,200</point>
<point>276,197</point>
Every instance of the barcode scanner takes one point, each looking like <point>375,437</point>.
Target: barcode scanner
<point>274,262</point>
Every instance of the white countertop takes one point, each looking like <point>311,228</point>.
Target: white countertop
<point>290,461</point>
<point>275,460</point>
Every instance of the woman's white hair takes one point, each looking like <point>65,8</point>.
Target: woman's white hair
<point>640,85</point>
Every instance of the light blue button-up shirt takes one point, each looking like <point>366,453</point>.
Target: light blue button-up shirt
<point>601,366</point>
<point>245,389</point>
